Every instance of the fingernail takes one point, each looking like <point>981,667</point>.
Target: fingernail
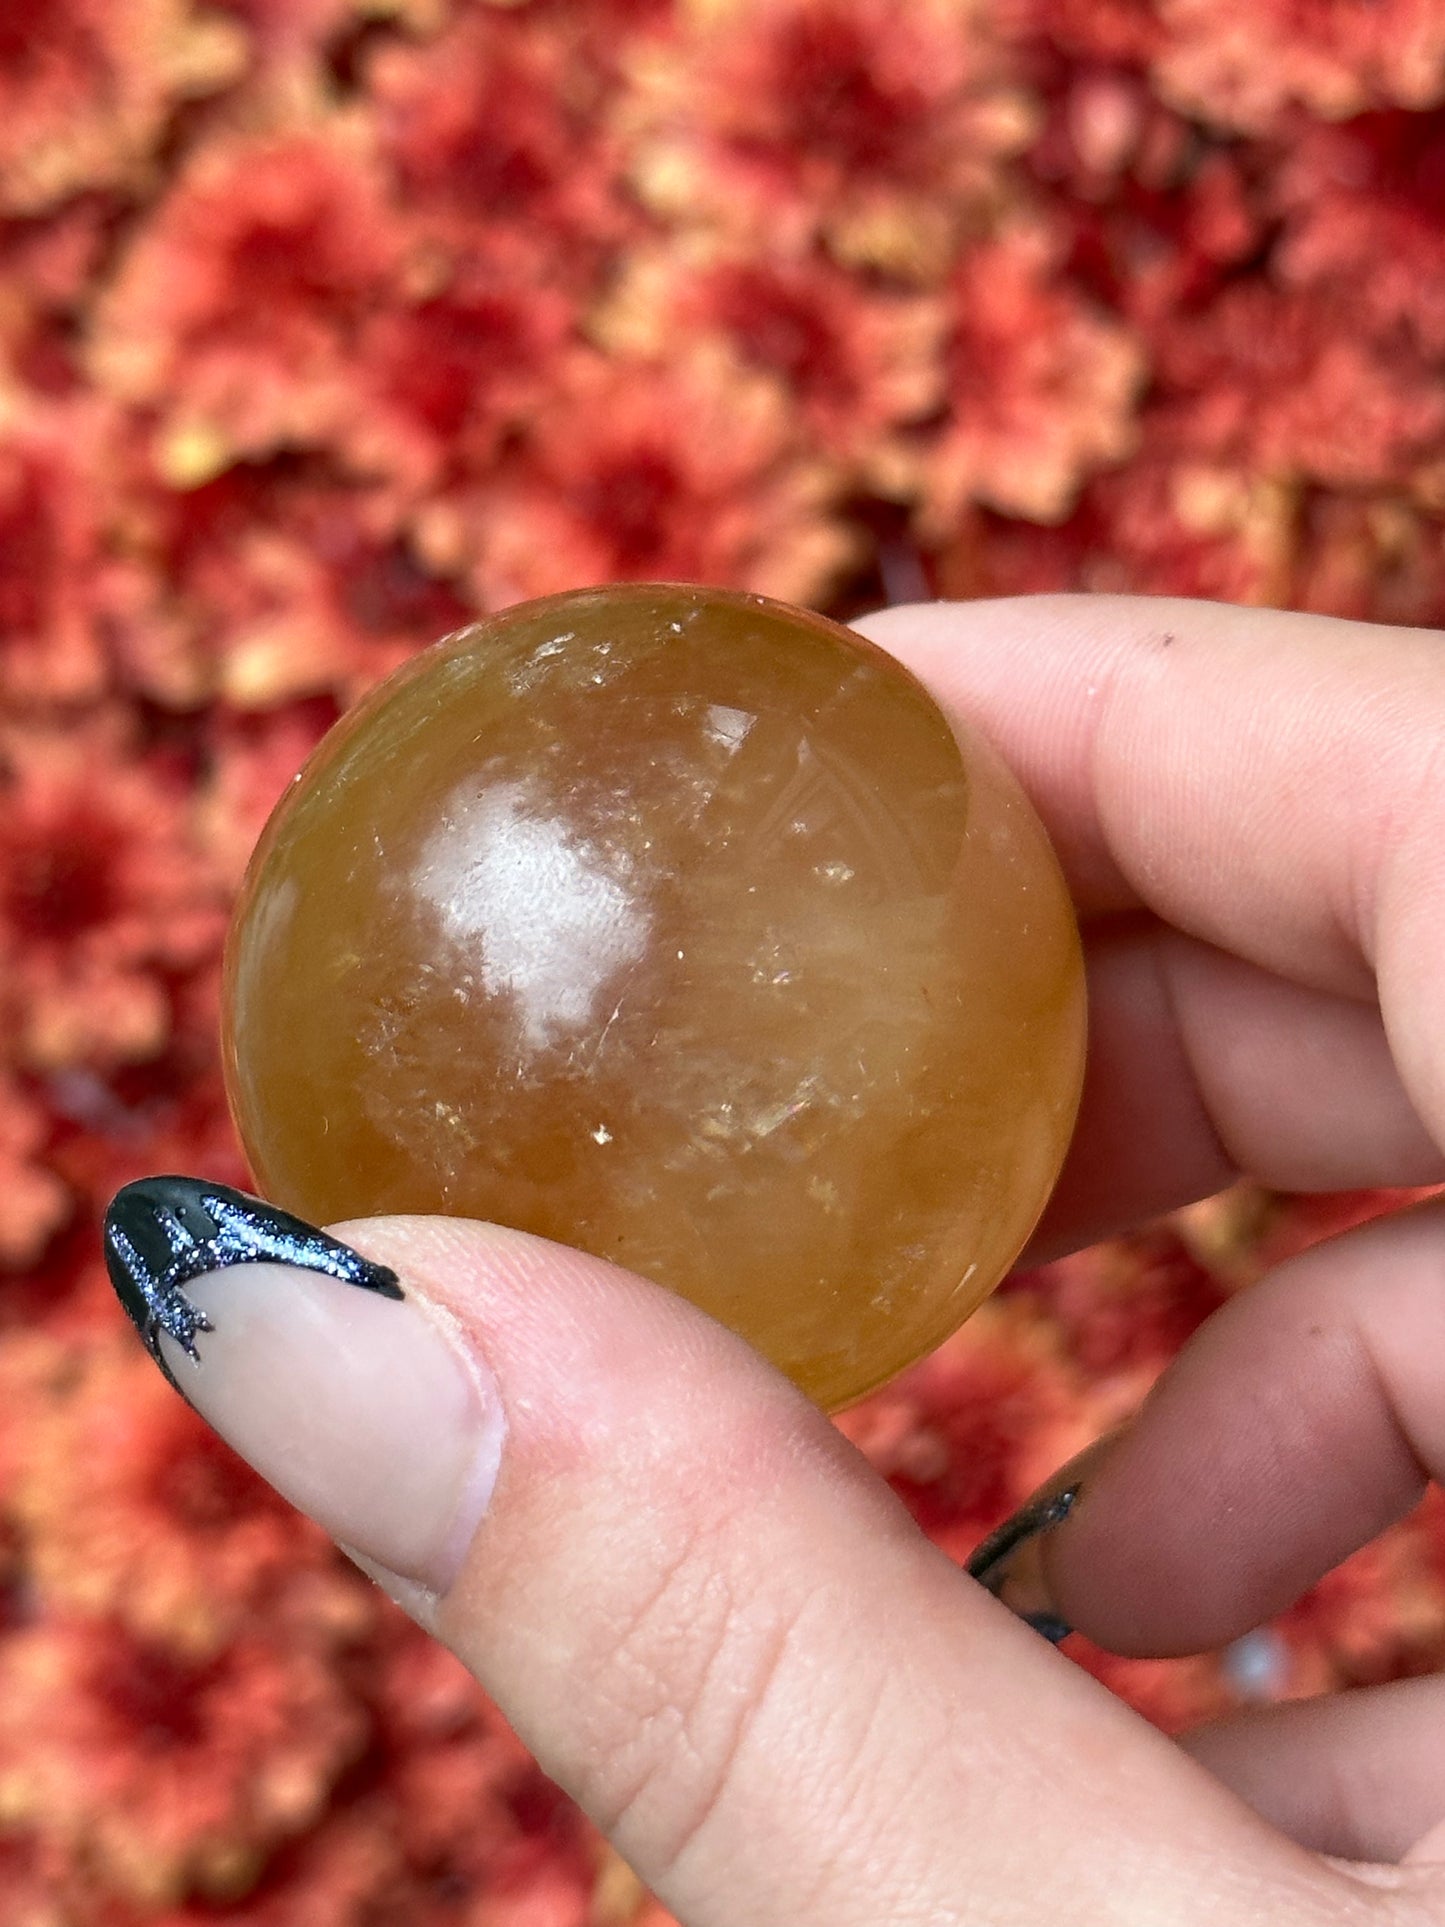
<point>1008,1563</point>
<point>354,1400</point>
<point>1048,1626</point>
<point>1013,1561</point>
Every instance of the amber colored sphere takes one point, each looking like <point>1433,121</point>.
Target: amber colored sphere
<point>680,926</point>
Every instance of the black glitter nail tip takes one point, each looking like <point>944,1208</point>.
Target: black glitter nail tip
<point>989,1562</point>
<point>160,1233</point>
<point>1049,1626</point>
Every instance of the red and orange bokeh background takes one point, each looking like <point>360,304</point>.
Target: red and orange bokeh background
<point>326,323</point>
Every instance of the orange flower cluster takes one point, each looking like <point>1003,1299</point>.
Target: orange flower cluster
<point>325,324</point>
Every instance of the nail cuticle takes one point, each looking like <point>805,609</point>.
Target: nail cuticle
<point>475,1497</point>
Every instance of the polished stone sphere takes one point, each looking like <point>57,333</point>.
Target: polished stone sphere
<point>680,926</point>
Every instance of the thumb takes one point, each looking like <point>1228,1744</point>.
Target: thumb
<point>700,1608</point>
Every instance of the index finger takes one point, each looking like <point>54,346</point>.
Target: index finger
<point>1270,785</point>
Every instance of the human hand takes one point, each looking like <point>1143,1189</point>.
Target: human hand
<point>713,1623</point>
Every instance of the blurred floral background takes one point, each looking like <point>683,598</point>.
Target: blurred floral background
<point>326,323</point>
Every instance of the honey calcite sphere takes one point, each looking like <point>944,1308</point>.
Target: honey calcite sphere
<point>678,925</point>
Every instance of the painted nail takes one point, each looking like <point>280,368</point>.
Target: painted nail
<point>1007,1562</point>
<point>1048,1626</point>
<point>1010,1561</point>
<point>161,1233</point>
<point>360,1404</point>
<point>990,1562</point>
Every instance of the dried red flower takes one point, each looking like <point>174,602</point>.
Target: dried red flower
<point>41,1883</point>
<point>878,129</point>
<point>1193,526</point>
<point>251,760</point>
<point>1039,389</point>
<point>1362,218</point>
<point>166,1775</point>
<point>111,1124</point>
<point>1243,66</point>
<point>34,1200</point>
<point>1122,1310</point>
<point>681,472</point>
<point>854,361</point>
<point>87,87</point>
<point>1296,385</point>
<point>291,43</point>
<point>1101,125</point>
<point>447,1819</point>
<point>1296,1224</point>
<point>342,1872</point>
<point>52,527</point>
<point>48,269</point>
<point>236,313</point>
<point>1229,521</point>
<point>273,582</point>
<point>495,140</point>
<point>1117,32</point>
<point>441,379</point>
<point>1376,1617</point>
<point>1371,557</point>
<point>481,1827</point>
<point>102,887</point>
<point>988,555</point>
<point>1150,221</point>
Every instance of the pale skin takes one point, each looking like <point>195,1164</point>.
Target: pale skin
<point>712,1621</point>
